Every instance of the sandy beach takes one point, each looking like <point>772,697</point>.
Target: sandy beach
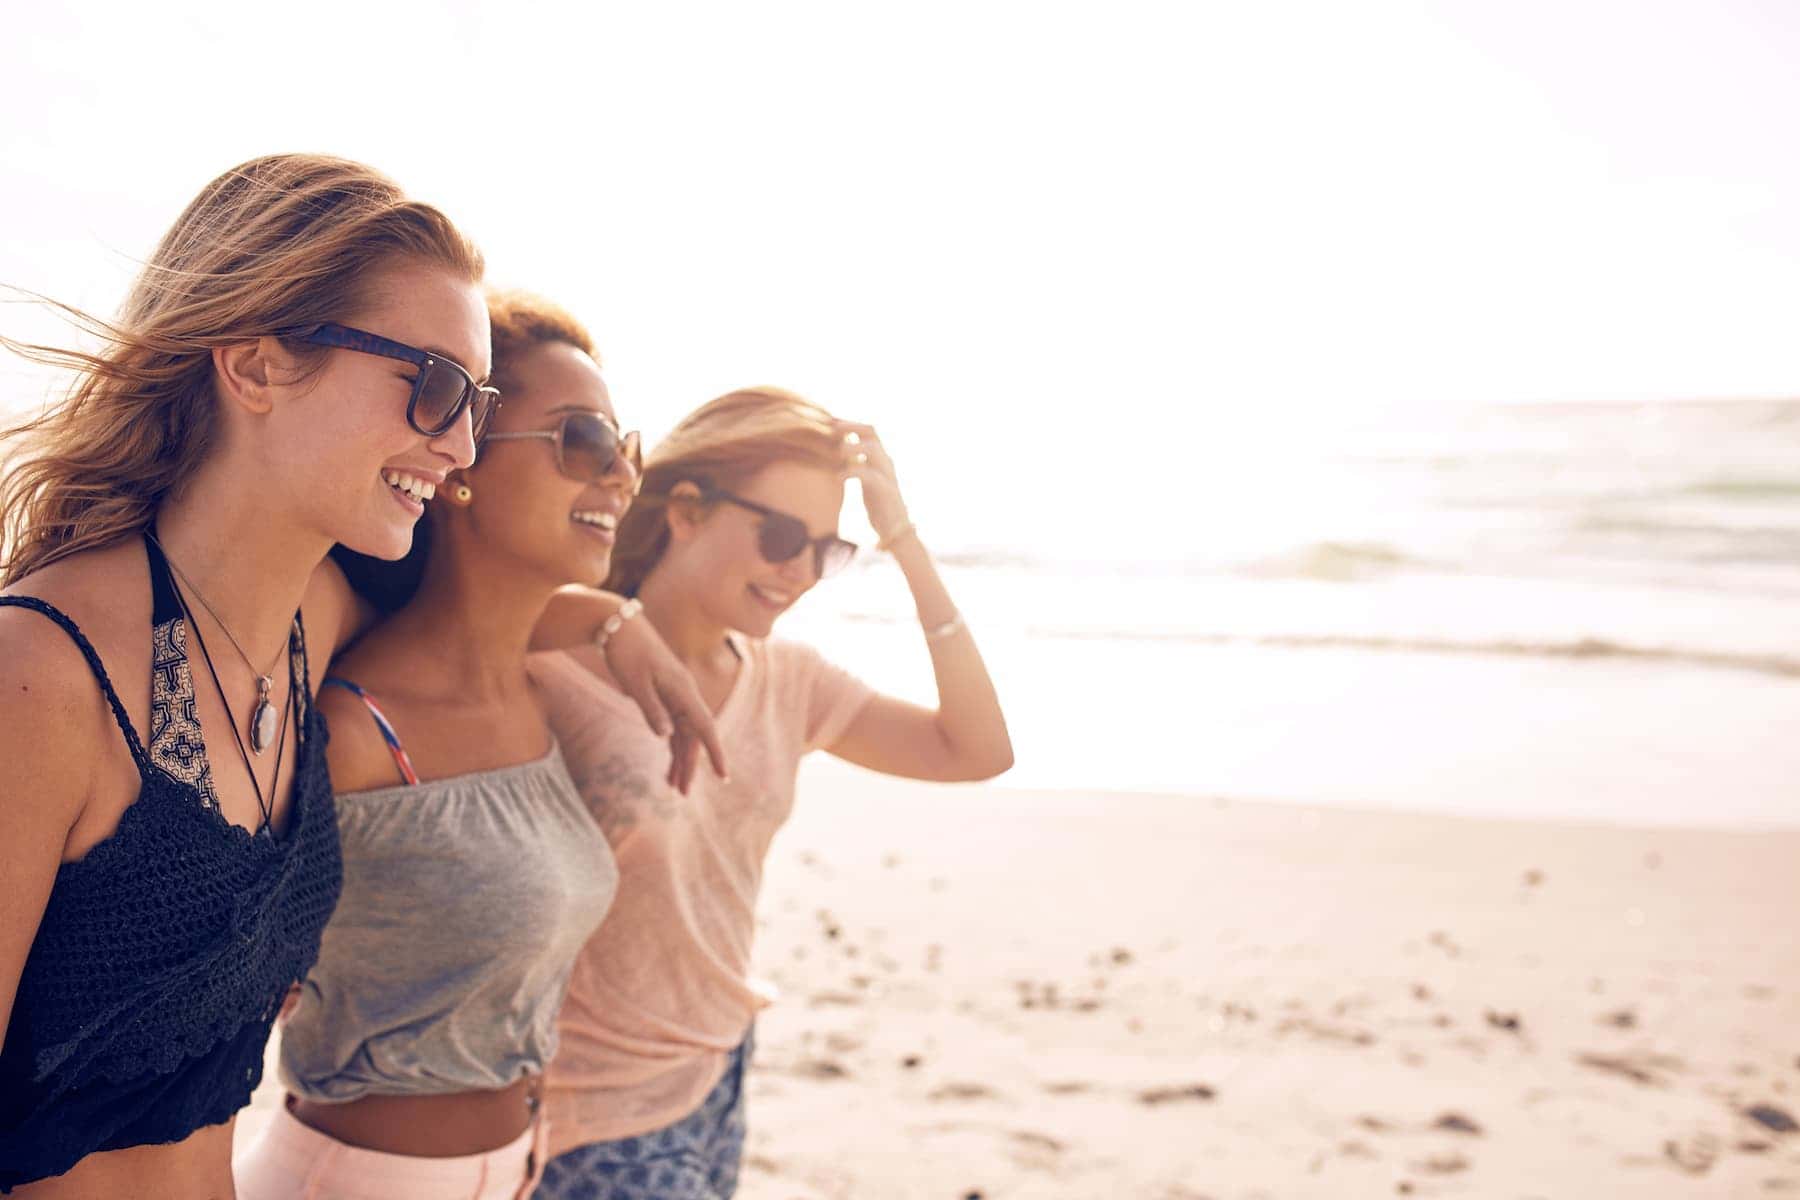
<point>1007,994</point>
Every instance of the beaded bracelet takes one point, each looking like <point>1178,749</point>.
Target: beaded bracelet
<point>614,623</point>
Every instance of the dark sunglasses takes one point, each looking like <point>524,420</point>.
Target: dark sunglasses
<point>588,446</point>
<point>780,537</point>
<point>441,391</point>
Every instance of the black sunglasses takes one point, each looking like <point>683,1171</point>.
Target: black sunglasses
<point>780,536</point>
<point>588,446</point>
<point>441,391</point>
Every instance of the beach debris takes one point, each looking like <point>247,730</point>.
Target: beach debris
<point>1455,1122</point>
<point>830,999</point>
<point>1753,1147</point>
<point>1177,1094</point>
<point>975,1195</point>
<point>1356,1149</point>
<point>958,1090</point>
<point>1404,1187</point>
<point>1443,941</point>
<point>1534,877</point>
<point>934,957</point>
<point>1374,1124</point>
<point>911,1062</point>
<point>1421,993</point>
<point>1695,1154</point>
<point>1776,1120</point>
<point>1507,1021</point>
<point>890,861</point>
<point>1622,1018</point>
<point>1120,956</point>
<point>1639,1068</point>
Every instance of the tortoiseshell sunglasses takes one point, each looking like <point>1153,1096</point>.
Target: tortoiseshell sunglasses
<point>441,391</point>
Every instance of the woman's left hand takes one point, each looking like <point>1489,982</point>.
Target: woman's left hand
<point>866,460</point>
<point>655,679</point>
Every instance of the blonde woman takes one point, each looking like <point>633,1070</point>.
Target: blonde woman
<point>736,521</point>
<point>301,360</point>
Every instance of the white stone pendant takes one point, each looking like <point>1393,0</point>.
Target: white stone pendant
<point>262,717</point>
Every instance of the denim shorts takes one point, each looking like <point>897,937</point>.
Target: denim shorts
<point>696,1158</point>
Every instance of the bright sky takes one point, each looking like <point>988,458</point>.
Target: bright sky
<point>1039,233</point>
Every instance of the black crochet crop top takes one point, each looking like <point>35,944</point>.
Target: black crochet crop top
<point>165,953</point>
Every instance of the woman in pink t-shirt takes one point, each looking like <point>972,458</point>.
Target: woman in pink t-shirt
<point>736,520</point>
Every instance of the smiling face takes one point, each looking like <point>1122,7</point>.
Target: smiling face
<point>342,446</point>
<point>739,588</point>
<point>522,506</point>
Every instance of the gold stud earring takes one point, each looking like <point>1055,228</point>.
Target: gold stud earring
<point>464,493</point>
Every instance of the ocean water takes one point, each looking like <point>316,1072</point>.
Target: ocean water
<point>1585,612</point>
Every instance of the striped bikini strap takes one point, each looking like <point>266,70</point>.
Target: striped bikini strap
<point>383,724</point>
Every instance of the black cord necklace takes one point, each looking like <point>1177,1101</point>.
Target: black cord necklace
<point>265,805</point>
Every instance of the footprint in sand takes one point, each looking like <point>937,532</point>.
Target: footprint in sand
<point>1641,1068</point>
<point>821,1068</point>
<point>1694,1154</point>
<point>1774,1119</point>
<point>1072,1087</point>
<point>1455,1122</point>
<point>1320,1031</point>
<point>1442,1164</point>
<point>1182,1092</point>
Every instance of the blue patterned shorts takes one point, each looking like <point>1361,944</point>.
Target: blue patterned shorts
<point>696,1158</point>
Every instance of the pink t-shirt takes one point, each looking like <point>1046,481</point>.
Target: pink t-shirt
<point>661,993</point>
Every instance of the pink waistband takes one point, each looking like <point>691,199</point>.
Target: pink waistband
<point>299,1152</point>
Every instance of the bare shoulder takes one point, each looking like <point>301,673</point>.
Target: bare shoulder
<point>55,726</point>
<point>357,754</point>
<point>105,591</point>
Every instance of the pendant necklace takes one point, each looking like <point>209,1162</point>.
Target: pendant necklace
<point>262,715</point>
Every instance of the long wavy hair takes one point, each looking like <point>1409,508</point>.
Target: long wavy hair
<point>722,444</point>
<point>281,242</point>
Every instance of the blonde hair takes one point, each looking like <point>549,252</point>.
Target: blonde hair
<point>278,243</point>
<point>721,444</point>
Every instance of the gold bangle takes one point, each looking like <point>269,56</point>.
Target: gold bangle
<point>886,543</point>
<point>950,628</point>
